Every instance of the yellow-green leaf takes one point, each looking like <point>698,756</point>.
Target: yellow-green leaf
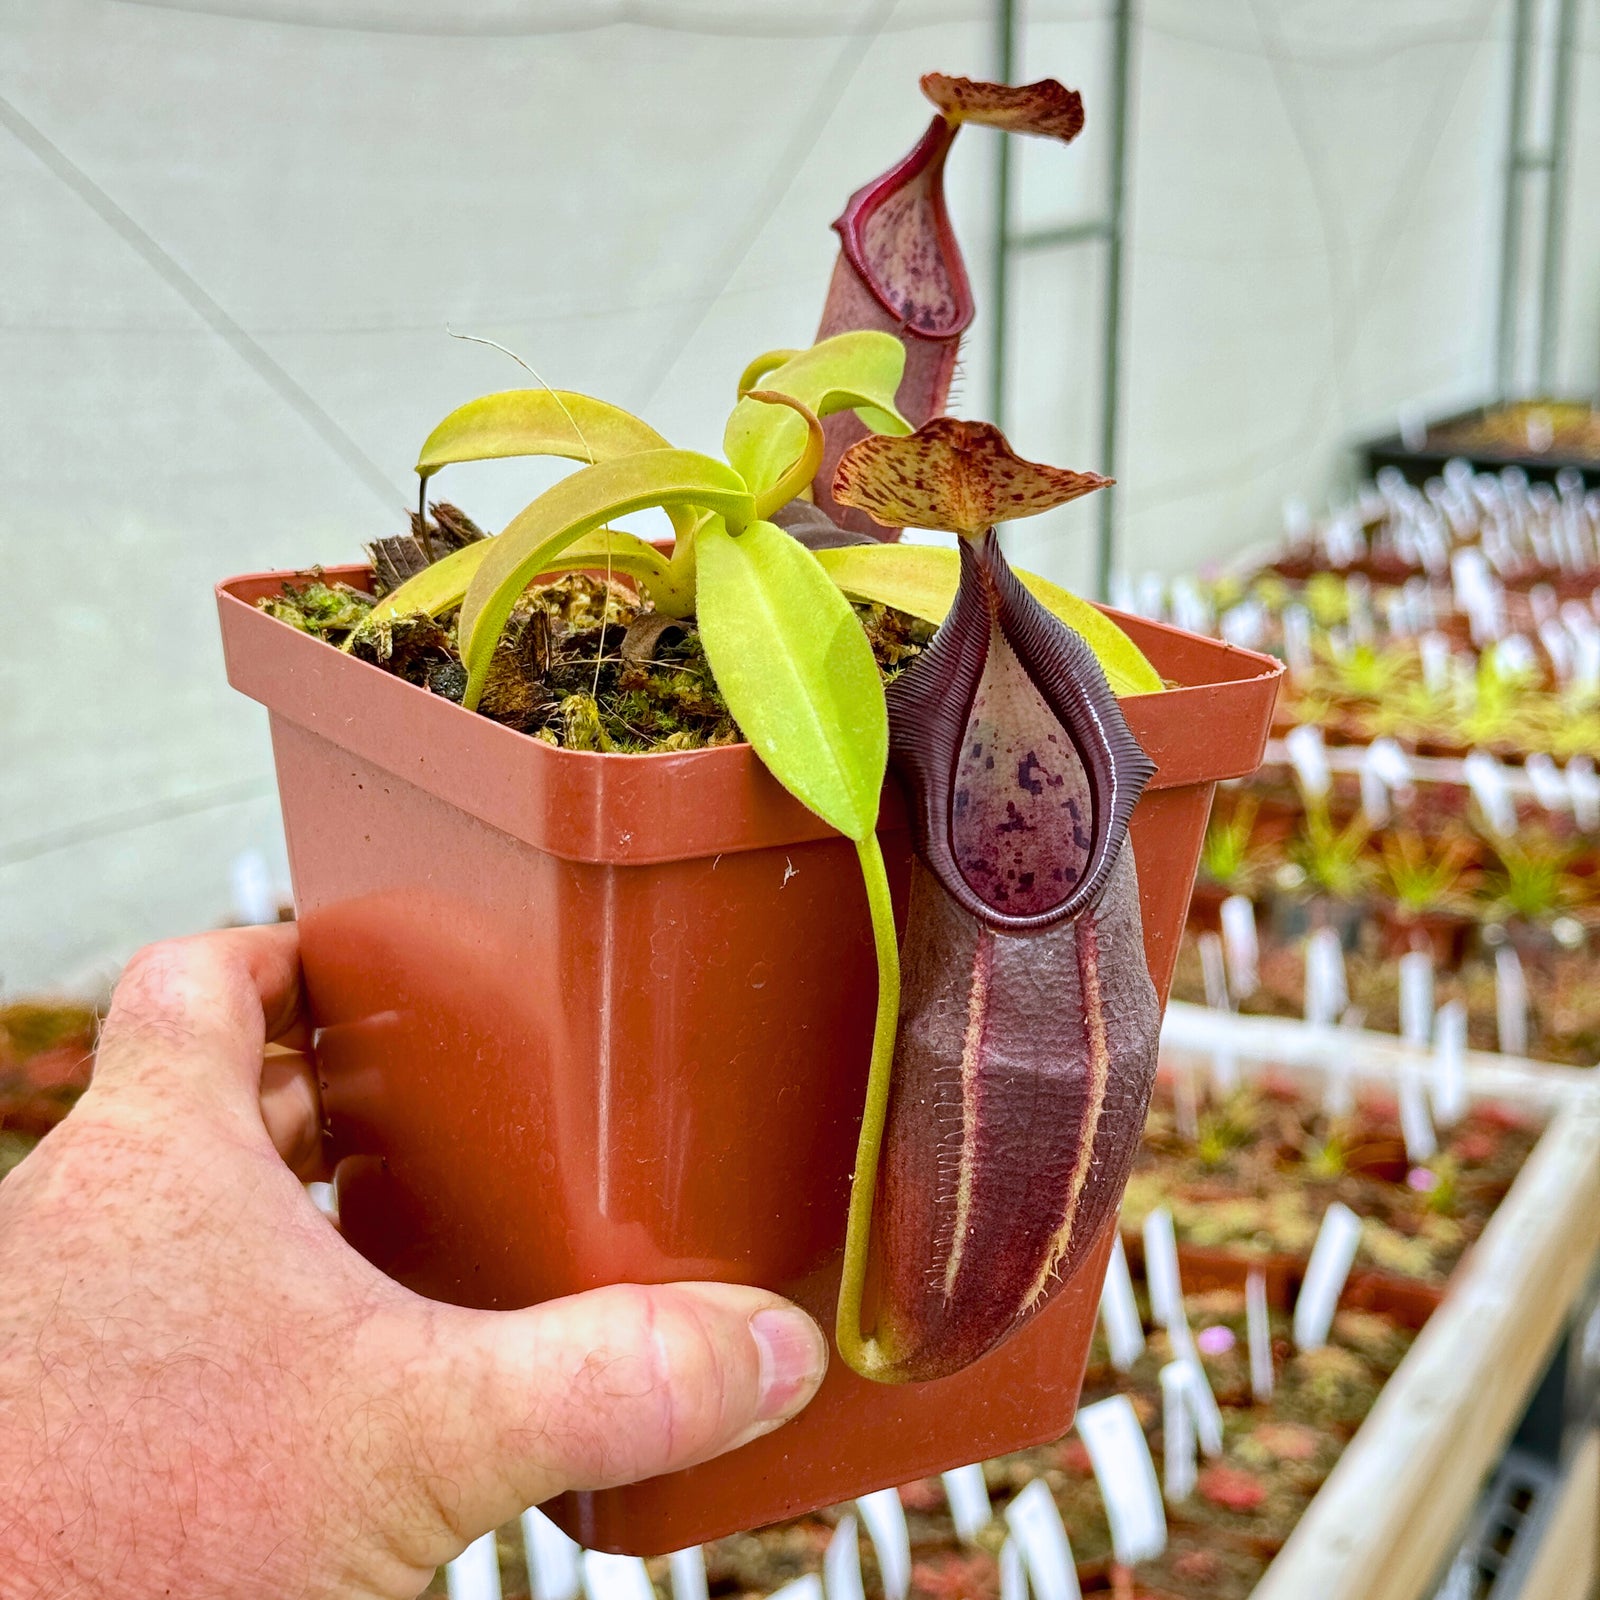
<point>796,670</point>
<point>760,367</point>
<point>536,422</point>
<point>921,580</point>
<point>443,586</point>
<point>631,557</point>
<point>435,589</point>
<point>857,371</point>
<point>567,511</point>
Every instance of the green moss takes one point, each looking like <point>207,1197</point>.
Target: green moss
<point>328,610</point>
<point>560,671</point>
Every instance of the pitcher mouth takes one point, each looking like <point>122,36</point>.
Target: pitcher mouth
<point>900,221</point>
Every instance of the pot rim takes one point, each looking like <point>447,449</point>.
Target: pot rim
<point>668,805</point>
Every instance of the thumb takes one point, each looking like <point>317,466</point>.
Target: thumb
<point>509,1408</point>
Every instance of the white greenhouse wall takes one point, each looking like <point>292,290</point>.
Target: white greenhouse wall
<point>235,232</point>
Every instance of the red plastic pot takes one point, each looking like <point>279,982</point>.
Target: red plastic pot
<point>591,1018</point>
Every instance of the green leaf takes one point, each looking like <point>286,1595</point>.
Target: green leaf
<point>443,586</point>
<point>634,558</point>
<point>435,589</point>
<point>852,371</point>
<point>536,422</point>
<point>796,670</point>
<point>566,512</point>
<point>921,580</point>
<point>767,361</point>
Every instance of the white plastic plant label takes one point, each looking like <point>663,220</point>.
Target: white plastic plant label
<point>1558,645</point>
<point>1161,1274</point>
<point>1244,624</point>
<point>475,1573</point>
<point>1331,1259</point>
<point>1207,1414</point>
<point>1583,785</point>
<point>1435,651</point>
<point>1127,1477</point>
<point>807,1588</point>
<point>688,1569</point>
<point>1374,792</point>
<point>1214,971</point>
<point>1338,1097</point>
<point>1487,614</point>
<point>1546,781</point>
<point>841,1563</point>
<point>1258,1328</point>
<point>1515,656</point>
<point>609,1577</point>
<point>1416,997</point>
<point>1185,1099</point>
<point>1296,622</point>
<point>1119,1312</point>
<point>1511,1002</point>
<point>1470,577</point>
<point>1327,990</point>
<point>1343,539</point>
<point>1224,1064</point>
<point>1391,765</point>
<point>554,1560</point>
<point>968,1495</point>
<point>1242,945</point>
<point>1449,1066</point>
<point>1486,778</point>
<point>1326,999</point>
<point>1013,1572</point>
<point>1190,609</point>
<point>1180,1450</point>
<point>1036,1526</point>
<point>885,1520</point>
<point>1419,605</point>
<point>1585,673</point>
<point>1433,547</point>
<point>1416,1126</point>
<point>1309,757</point>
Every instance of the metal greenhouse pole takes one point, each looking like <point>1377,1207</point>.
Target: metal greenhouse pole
<point>1544,45</point>
<point>1106,229</point>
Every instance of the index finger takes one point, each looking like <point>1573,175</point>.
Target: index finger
<point>197,1013</point>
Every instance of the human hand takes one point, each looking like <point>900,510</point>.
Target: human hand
<point>205,1392</point>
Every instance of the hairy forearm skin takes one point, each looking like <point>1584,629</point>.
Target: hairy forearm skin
<point>205,1392</point>
<point>142,1450</point>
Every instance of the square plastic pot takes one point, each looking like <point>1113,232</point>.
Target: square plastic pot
<point>587,1019</point>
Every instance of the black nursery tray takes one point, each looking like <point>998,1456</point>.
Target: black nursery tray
<point>1460,435</point>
